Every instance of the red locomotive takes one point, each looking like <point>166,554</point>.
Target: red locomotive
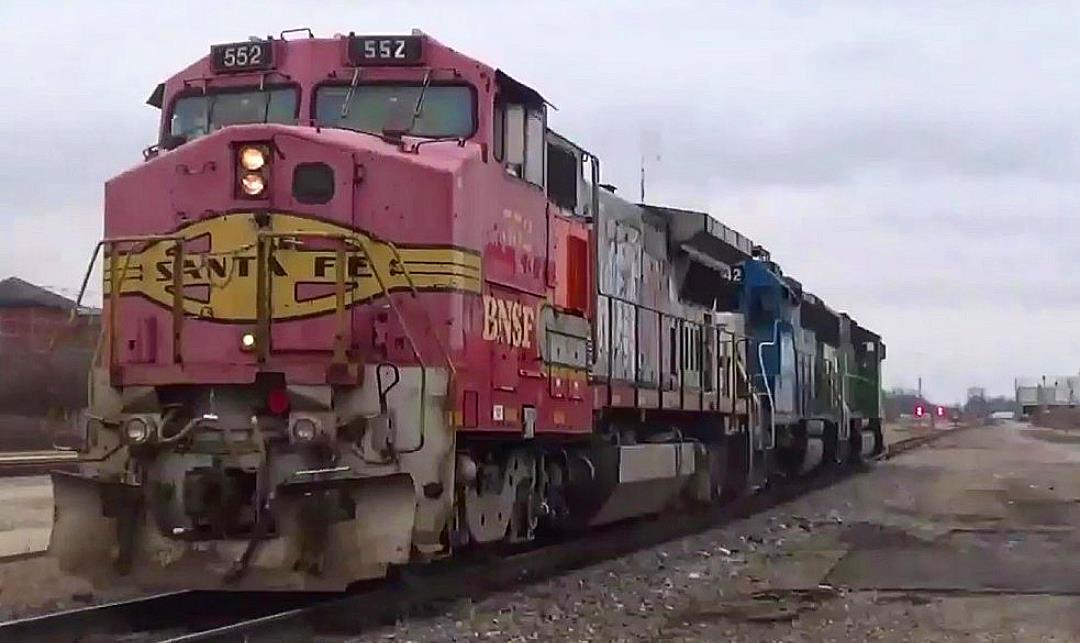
<point>363,308</point>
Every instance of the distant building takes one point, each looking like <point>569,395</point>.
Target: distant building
<point>46,344</point>
<point>976,393</point>
<point>1047,391</point>
<point>35,319</point>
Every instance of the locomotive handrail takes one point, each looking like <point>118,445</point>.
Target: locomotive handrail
<point>765,380</point>
<point>667,314</point>
<point>264,311</point>
<point>610,352</point>
<point>733,367</point>
<point>415,294</point>
<point>116,285</point>
<point>359,242</point>
<point>412,345</point>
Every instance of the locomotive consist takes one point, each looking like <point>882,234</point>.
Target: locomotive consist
<point>364,308</point>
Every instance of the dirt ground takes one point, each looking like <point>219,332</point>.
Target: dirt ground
<point>911,428</point>
<point>35,584</point>
<point>26,514</point>
<point>972,538</point>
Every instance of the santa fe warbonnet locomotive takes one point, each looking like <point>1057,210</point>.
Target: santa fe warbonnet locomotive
<point>363,308</point>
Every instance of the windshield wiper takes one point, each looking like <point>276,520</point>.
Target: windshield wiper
<point>396,126</point>
<point>266,107</point>
<point>419,102</point>
<point>349,94</point>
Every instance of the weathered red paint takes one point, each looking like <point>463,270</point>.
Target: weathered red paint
<point>443,194</point>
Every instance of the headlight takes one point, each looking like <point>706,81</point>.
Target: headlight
<point>247,341</point>
<point>253,184</point>
<point>136,430</point>
<point>303,429</point>
<point>252,158</point>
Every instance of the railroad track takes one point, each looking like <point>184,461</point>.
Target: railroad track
<point>28,463</point>
<point>153,618</point>
<point>186,617</point>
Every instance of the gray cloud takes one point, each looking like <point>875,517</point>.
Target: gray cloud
<point>912,163</point>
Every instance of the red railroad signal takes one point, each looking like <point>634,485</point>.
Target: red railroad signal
<point>919,411</point>
<point>941,411</point>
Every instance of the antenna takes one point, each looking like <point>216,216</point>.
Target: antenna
<point>642,177</point>
<point>650,151</point>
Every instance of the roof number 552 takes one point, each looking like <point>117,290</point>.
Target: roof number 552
<point>242,55</point>
<point>386,48</point>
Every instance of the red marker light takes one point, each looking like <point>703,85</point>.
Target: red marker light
<point>941,411</point>
<point>277,401</point>
<point>919,410</point>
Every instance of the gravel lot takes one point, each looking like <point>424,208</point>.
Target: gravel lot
<point>26,514</point>
<point>970,538</point>
<point>833,565</point>
<point>36,584</point>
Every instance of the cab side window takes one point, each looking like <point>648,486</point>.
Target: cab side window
<point>498,139</point>
<point>535,146</point>
<point>514,137</point>
<point>518,140</point>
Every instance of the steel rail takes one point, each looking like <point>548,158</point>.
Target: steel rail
<point>251,617</point>
<point>107,618</point>
<point>424,589</point>
<point>420,589</point>
<point>27,463</point>
<point>152,618</point>
<point>20,457</point>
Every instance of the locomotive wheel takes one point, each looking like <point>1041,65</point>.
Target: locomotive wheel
<point>866,442</point>
<point>718,464</point>
<point>855,451</point>
<point>807,452</point>
<point>789,459</point>
<point>834,452</point>
<point>502,507</point>
<point>879,436</point>
<point>737,474</point>
<point>814,455</point>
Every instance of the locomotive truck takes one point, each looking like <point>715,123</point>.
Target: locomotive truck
<point>364,308</point>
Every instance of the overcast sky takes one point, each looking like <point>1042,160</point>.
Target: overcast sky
<point>916,167</point>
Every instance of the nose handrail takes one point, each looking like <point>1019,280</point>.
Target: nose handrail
<point>363,245</point>
<point>415,294</point>
<point>263,291</point>
<point>264,311</point>
<point>116,281</point>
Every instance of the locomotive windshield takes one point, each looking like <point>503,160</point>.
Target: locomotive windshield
<point>446,110</point>
<point>195,116</point>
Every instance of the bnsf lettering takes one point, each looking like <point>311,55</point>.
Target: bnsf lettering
<point>508,322</point>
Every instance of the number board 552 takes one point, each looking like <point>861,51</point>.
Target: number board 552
<point>242,56</point>
<point>386,50</point>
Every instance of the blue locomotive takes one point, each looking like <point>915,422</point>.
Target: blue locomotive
<point>816,372</point>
